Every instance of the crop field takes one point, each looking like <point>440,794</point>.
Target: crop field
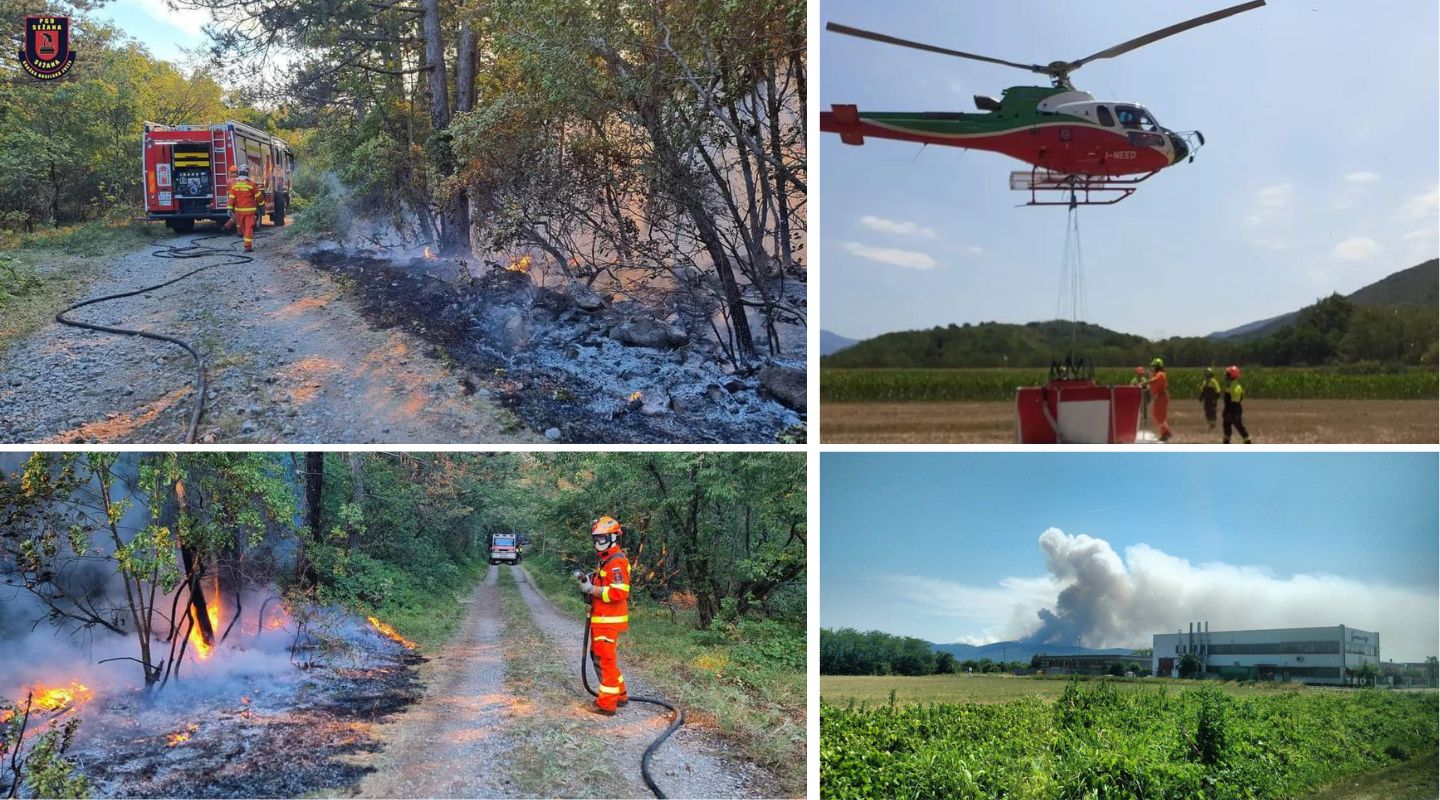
<point>1273,383</point>
<point>1097,740</point>
<point>1269,422</point>
<point>874,690</point>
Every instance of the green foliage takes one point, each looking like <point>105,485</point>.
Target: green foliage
<point>1097,742</point>
<point>984,385</point>
<point>847,651</point>
<point>34,757</point>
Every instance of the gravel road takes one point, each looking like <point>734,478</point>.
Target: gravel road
<point>290,360</point>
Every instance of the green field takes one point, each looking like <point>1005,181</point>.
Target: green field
<point>1106,740</point>
<point>875,690</point>
<point>1273,383</point>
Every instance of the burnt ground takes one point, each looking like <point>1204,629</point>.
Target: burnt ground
<point>555,366</point>
<point>256,737</point>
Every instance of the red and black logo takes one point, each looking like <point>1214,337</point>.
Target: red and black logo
<point>47,53</point>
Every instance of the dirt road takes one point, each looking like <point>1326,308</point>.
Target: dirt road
<point>1269,422</point>
<point>290,360</point>
<point>504,715</point>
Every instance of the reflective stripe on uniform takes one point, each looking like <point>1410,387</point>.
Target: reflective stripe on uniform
<point>624,586</point>
<point>610,689</point>
<point>604,639</point>
<point>252,208</point>
<point>605,594</point>
<point>609,620</point>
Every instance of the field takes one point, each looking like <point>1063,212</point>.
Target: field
<point>874,691</point>
<point>1122,740</point>
<point>1270,383</point>
<point>1269,421</point>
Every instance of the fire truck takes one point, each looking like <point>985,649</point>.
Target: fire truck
<point>504,547</point>
<point>187,171</point>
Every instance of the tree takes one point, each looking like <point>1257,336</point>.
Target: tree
<point>945,663</point>
<point>1191,666</point>
<point>1117,669</point>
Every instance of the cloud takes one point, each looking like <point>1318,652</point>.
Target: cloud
<point>975,250</point>
<point>1357,248</point>
<point>1094,595</point>
<point>1271,217</point>
<point>896,227</point>
<point>188,20</point>
<point>1362,177</point>
<point>1425,205</point>
<point>888,255</point>
<point>1278,196</point>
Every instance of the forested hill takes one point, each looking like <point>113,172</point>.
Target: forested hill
<point>1417,286</point>
<point>1335,330</point>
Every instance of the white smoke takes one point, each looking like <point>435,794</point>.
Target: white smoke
<point>1094,596</point>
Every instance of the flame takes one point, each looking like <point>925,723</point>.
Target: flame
<point>279,619</point>
<point>204,649</point>
<point>6,716</point>
<point>391,633</point>
<point>429,254</point>
<point>58,698</point>
<point>173,739</point>
<point>636,397</point>
<point>521,264</point>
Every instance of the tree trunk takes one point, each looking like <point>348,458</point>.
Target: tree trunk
<point>314,486</point>
<point>194,570</point>
<point>357,475</point>
<point>465,68</point>
<point>455,209</point>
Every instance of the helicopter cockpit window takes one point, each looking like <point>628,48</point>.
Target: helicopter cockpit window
<point>1103,114</point>
<point>1134,118</point>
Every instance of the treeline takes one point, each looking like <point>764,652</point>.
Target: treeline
<point>70,148</point>
<point>1333,331</point>
<point>846,651</point>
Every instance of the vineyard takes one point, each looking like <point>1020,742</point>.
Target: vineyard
<point>1273,383</point>
<point>1097,742</point>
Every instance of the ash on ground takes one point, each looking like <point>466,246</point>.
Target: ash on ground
<point>249,735</point>
<point>575,366</point>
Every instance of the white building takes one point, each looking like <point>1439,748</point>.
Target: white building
<point>1303,655</point>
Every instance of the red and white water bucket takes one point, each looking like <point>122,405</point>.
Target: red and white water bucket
<point>1076,412</point>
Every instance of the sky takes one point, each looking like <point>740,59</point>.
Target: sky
<point>958,547</point>
<point>1319,173</point>
<point>164,31</point>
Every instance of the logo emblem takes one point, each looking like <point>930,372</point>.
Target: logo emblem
<point>46,52</point>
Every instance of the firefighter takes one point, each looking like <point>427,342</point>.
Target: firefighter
<point>1209,396</point>
<point>247,202</point>
<point>1234,415</point>
<point>609,591</point>
<point>1141,381</point>
<point>1159,397</point>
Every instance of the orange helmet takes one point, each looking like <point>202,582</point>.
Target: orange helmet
<point>606,533</point>
<point>234,169</point>
<point>1232,372</point>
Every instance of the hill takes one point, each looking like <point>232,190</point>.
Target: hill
<point>1417,286</point>
<point>1021,651</point>
<point>833,342</point>
<point>990,344</point>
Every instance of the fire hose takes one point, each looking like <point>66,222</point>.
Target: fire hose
<point>675,722</point>
<point>193,250</point>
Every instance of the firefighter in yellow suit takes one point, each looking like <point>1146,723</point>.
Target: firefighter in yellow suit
<point>247,202</point>
<point>609,591</point>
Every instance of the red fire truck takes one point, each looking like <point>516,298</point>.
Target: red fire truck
<point>187,171</point>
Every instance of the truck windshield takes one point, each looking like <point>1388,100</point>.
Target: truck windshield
<point>504,541</point>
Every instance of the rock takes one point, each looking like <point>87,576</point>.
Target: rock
<point>647,332</point>
<point>248,426</point>
<point>553,434</point>
<point>735,385</point>
<point>786,385</point>
<point>584,297</point>
<point>655,405</point>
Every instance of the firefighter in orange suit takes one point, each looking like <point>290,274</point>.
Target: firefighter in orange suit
<point>608,588</point>
<point>247,202</point>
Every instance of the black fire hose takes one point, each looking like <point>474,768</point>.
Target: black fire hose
<point>193,250</point>
<point>675,722</point>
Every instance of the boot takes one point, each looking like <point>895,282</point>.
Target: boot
<point>604,712</point>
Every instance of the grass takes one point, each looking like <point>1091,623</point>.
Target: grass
<point>748,681</point>
<point>552,756</point>
<point>1275,383</point>
<point>1100,741</point>
<point>42,272</point>
<point>429,616</point>
<point>875,690</point>
<point>1413,780</point>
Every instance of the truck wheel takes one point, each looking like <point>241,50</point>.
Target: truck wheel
<point>181,225</point>
<point>278,216</point>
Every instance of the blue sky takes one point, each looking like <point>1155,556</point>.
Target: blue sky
<point>162,30</point>
<point>947,546</point>
<point>1320,172</point>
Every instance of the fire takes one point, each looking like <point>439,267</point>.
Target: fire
<point>60,698</point>
<point>204,649</point>
<point>429,254</point>
<point>390,632</point>
<point>521,264</point>
<point>637,396</point>
<point>173,739</point>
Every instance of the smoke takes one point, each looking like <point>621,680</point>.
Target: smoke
<point>1107,601</point>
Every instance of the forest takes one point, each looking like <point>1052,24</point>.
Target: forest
<point>150,562</point>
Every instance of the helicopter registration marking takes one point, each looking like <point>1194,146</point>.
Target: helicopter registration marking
<point>1121,155</point>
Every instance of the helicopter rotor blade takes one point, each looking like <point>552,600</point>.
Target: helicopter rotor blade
<point>885,39</point>
<point>1156,36</point>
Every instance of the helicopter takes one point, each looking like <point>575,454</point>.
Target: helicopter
<point>1094,151</point>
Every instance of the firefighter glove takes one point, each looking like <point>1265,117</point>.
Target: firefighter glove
<point>586,587</point>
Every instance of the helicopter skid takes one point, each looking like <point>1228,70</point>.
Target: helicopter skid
<point>1049,188</point>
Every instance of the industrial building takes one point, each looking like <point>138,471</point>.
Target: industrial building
<point>1303,655</point>
<point>1090,664</point>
